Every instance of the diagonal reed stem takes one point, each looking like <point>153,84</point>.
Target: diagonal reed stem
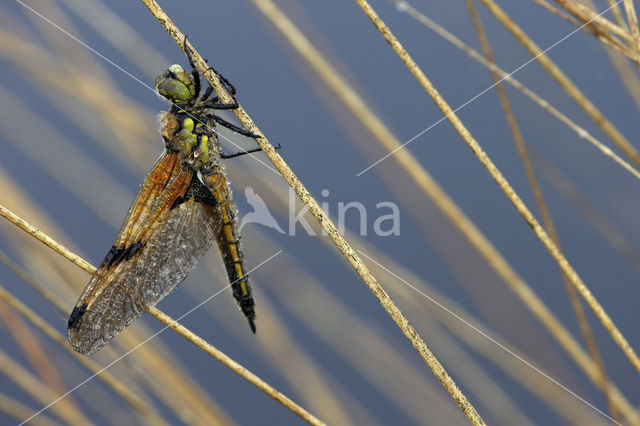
<point>563,80</point>
<point>326,223</point>
<point>362,112</point>
<point>502,182</point>
<point>180,329</point>
<point>125,393</point>
<point>523,152</point>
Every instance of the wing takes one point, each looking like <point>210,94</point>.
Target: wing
<point>165,233</point>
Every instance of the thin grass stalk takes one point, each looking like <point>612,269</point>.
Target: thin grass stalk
<point>585,14</point>
<point>564,404</point>
<point>343,91</point>
<point>33,350</point>
<point>55,301</point>
<point>234,366</point>
<point>152,363</point>
<point>549,7</point>
<point>352,257</point>
<point>502,182</point>
<point>544,104</point>
<point>112,382</point>
<point>174,401</point>
<point>536,384</point>
<point>121,118</point>
<point>394,312</point>
<point>523,152</point>
<point>189,402</point>
<point>174,325</point>
<point>595,25</point>
<point>189,409</point>
<point>628,75</point>
<point>401,381</point>
<point>26,381</point>
<point>17,410</point>
<point>630,9</point>
<point>609,232</point>
<point>563,80</point>
<point>315,385</point>
<point>617,13</point>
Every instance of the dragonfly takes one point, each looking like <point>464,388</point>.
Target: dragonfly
<point>182,208</point>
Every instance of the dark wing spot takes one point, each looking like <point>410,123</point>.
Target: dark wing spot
<point>198,191</point>
<point>117,255</point>
<point>132,250</point>
<point>177,202</point>
<point>111,257</point>
<point>76,316</point>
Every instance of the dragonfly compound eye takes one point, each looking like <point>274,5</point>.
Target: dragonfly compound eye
<point>176,85</point>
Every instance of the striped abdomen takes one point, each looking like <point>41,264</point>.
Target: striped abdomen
<point>229,242</point>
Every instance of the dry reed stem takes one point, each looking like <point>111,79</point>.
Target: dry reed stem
<point>308,378</point>
<point>16,409</point>
<point>471,375</point>
<point>554,10</point>
<point>522,290</point>
<point>360,109</point>
<point>114,30</point>
<point>615,11</point>
<point>572,90</point>
<point>236,367</point>
<point>370,353</point>
<point>190,410</point>
<point>121,118</point>
<point>633,26</point>
<point>183,331</point>
<point>523,152</point>
<point>326,223</point>
<point>159,371</point>
<point>596,25</point>
<point>55,301</point>
<point>39,391</point>
<point>563,403</point>
<point>628,75</point>
<point>34,352</point>
<point>188,402</point>
<point>162,371</point>
<point>544,104</point>
<point>506,187</point>
<point>112,382</point>
<point>609,232</point>
<point>585,14</point>
<point>531,380</point>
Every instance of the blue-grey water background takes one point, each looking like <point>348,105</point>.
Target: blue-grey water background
<point>322,143</point>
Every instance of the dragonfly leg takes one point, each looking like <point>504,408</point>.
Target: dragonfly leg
<point>238,154</point>
<point>207,94</point>
<point>221,121</point>
<point>225,82</point>
<point>194,71</point>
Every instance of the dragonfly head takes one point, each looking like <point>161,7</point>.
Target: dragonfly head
<point>176,85</point>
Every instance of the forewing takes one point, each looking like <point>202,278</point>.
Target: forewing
<point>175,234</point>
